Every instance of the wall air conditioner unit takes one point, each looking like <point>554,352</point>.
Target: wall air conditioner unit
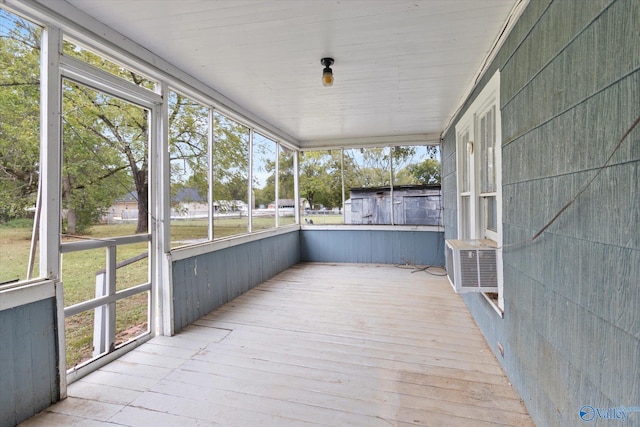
<point>471,265</point>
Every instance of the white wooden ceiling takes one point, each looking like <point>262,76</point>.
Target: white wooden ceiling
<point>401,66</point>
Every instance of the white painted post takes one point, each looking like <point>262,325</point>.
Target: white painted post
<point>210,174</point>
<point>104,317</point>
<point>100,316</point>
<point>277,192</point>
<point>50,172</point>
<point>251,198</point>
<point>162,291</point>
<point>296,186</point>
<point>110,309</point>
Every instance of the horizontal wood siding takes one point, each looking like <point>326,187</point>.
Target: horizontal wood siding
<point>370,246</point>
<point>570,88</point>
<point>28,358</point>
<point>205,282</point>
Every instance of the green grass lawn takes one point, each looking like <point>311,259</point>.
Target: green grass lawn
<point>79,271</point>
<point>320,219</point>
<point>79,280</point>
<point>14,253</point>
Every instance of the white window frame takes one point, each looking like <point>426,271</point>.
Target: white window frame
<point>472,224</point>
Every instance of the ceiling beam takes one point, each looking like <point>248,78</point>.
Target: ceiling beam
<point>374,141</point>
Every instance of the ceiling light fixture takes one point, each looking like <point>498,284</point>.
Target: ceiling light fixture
<point>327,73</point>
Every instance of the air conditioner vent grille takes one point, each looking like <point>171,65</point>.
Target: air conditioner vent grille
<point>487,268</point>
<point>469,269</point>
<point>471,266</point>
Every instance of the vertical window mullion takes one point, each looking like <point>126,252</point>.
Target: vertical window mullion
<point>277,185</point>
<point>250,185</point>
<point>210,198</point>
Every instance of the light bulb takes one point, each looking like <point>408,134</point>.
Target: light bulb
<point>327,72</point>
<point>327,78</point>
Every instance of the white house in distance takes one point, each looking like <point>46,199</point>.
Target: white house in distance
<point>189,204</point>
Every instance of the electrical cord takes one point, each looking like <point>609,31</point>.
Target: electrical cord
<point>582,190</point>
<point>408,265</point>
<point>600,169</point>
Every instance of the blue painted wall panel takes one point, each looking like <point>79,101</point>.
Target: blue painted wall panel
<point>371,246</point>
<point>206,282</point>
<point>570,85</point>
<point>28,361</point>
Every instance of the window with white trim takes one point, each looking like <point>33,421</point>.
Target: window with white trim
<point>479,159</point>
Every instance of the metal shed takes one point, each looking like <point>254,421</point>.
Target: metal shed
<point>412,204</point>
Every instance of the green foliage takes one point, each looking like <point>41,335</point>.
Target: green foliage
<point>286,180</point>
<point>18,223</point>
<point>188,145</point>
<point>79,52</point>
<point>264,157</point>
<point>320,178</point>
<point>287,183</point>
<point>105,140</point>
<point>19,115</point>
<point>368,167</point>
<point>104,154</point>
<point>230,160</point>
<point>426,172</point>
<point>105,147</point>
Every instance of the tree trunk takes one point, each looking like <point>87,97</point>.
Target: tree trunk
<point>310,200</point>
<point>143,211</point>
<point>142,188</point>
<point>72,218</point>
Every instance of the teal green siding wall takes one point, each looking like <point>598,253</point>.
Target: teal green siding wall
<point>570,88</point>
<point>28,361</point>
<point>373,246</point>
<point>206,282</point>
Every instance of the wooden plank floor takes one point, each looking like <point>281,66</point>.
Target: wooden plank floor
<point>319,344</point>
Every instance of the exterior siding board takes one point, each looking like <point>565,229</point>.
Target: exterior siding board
<point>28,360</point>
<point>570,84</point>
<point>366,246</point>
<point>206,282</point>
<point>449,186</point>
<point>7,367</point>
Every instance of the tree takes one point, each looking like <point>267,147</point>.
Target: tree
<point>19,115</point>
<point>104,140</point>
<point>263,158</point>
<point>230,160</point>
<point>367,168</point>
<point>320,178</point>
<point>94,171</point>
<point>188,144</point>
<point>115,135</point>
<point>426,172</point>
<point>286,179</point>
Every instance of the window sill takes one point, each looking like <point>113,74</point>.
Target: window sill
<point>372,227</point>
<point>492,300</point>
<point>26,293</point>
<point>188,251</point>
